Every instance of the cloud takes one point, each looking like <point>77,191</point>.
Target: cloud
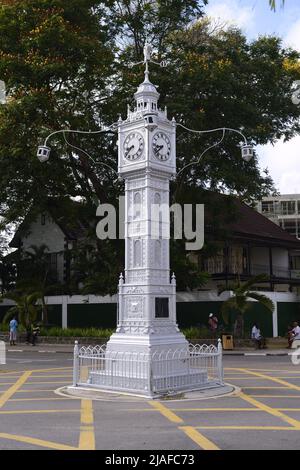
<point>292,38</point>
<point>231,12</point>
<point>282,160</point>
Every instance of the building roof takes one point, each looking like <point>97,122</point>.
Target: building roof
<point>251,224</point>
<point>70,216</point>
<point>240,222</point>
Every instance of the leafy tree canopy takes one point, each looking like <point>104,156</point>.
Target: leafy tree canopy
<point>66,65</point>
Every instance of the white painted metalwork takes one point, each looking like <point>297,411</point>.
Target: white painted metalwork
<point>2,353</point>
<point>148,374</point>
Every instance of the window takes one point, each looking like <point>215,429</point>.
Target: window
<point>288,207</point>
<point>290,226</point>
<point>267,206</point>
<point>161,307</point>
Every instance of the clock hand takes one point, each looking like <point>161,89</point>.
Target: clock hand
<point>128,149</point>
<point>158,148</point>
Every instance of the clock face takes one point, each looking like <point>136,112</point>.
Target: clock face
<point>133,146</point>
<point>161,146</point>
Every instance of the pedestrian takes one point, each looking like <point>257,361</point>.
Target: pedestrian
<point>28,332</point>
<point>13,326</point>
<point>213,323</point>
<point>257,337</point>
<point>290,336</point>
<point>294,334</point>
<point>35,332</point>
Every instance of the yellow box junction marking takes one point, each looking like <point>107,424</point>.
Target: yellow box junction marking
<point>190,431</point>
<point>87,432</point>
<point>36,442</point>
<point>166,412</point>
<point>271,411</point>
<point>197,437</point>
<point>12,390</point>
<point>273,379</point>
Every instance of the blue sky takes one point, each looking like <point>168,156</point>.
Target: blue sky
<point>255,18</point>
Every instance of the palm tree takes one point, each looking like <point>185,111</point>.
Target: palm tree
<point>25,308</point>
<point>36,275</point>
<point>239,301</point>
<point>273,4</point>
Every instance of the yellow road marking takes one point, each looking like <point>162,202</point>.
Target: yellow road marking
<point>62,376</point>
<point>197,437</point>
<point>195,409</point>
<point>54,382</point>
<point>288,409</point>
<point>30,390</point>
<point>12,390</point>
<point>37,442</point>
<point>87,432</point>
<point>276,396</point>
<point>271,411</point>
<point>243,370</point>
<point>190,431</point>
<point>262,378</point>
<point>40,399</point>
<point>274,379</point>
<point>166,412</point>
<point>36,411</point>
<point>249,428</point>
<point>265,388</point>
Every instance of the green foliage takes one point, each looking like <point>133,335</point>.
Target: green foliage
<point>66,64</point>
<point>77,332</point>
<point>25,309</point>
<point>273,4</point>
<point>239,301</point>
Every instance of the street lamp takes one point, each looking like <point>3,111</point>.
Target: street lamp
<point>43,151</point>
<point>247,149</point>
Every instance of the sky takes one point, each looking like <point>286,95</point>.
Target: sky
<point>255,18</point>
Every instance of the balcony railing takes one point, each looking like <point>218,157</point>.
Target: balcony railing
<point>217,266</point>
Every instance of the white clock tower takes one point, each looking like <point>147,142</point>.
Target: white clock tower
<point>147,292</point>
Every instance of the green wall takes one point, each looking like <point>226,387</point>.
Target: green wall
<point>3,311</point>
<point>55,315</point>
<point>188,314</point>
<point>92,315</point>
<point>287,313</point>
<point>196,314</point>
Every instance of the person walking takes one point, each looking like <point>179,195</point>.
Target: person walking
<point>257,337</point>
<point>35,332</point>
<point>213,323</point>
<point>294,333</point>
<point>13,326</point>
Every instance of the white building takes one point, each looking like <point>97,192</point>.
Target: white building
<point>284,210</point>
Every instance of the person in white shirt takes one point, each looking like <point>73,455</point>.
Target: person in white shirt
<point>257,337</point>
<point>296,330</point>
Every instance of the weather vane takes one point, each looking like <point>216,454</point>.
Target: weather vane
<point>147,58</point>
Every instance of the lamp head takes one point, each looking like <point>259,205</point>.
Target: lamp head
<point>43,153</point>
<point>247,152</point>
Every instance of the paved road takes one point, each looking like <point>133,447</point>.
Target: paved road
<point>264,415</point>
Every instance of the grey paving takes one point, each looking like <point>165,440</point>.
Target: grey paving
<point>37,418</point>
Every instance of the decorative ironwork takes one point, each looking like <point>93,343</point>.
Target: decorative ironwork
<point>148,374</point>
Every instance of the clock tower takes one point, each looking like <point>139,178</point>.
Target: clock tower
<point>147,291</point>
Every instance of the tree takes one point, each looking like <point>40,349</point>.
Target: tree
<point>273,4</point>
<point>25,309</point>
<point>239,301</point>
<point>66,64</point>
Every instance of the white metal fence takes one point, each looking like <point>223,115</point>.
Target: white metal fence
<point>148,374</point>
<point>2,353</point>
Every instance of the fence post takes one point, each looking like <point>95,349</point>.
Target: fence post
<point>220,362</point>
<point>149,372</point>
<point>75,364</point>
